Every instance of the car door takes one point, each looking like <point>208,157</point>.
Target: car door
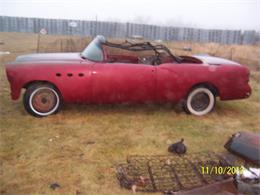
<point>172,82</point>
<point>74,81</point>
<point>123,82</point>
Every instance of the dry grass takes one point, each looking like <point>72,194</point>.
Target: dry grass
<point>36,152</point>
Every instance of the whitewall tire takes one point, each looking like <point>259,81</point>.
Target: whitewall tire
<point>200,101</point>
<point>41,100</point>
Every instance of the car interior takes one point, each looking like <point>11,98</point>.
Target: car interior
<point>101,50</point>
<point>134,57</point>
<point>149,57</point>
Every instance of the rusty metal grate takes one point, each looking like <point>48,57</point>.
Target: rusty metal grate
<point>169,173</point>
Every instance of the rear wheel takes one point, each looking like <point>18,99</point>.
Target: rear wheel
<point>41,100</point>
<point>200,101</point>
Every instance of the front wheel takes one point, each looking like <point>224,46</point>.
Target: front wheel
<point>41,100</point>
<point>200,101</point>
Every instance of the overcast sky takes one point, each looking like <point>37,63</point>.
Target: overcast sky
<point>217,14</point>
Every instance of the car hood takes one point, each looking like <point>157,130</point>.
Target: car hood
<point>49,57</point>
<point>214,60</point>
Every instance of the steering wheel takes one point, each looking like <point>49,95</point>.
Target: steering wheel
<point>157,60</point>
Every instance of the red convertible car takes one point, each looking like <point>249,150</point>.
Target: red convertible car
<point>151,73</point>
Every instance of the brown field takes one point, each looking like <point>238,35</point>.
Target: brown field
<point>36,152</point>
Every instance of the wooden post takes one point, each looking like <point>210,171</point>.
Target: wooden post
<point>38,42</point>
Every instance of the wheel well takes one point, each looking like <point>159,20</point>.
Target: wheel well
<point>40,82</point>
<point>209,86</point>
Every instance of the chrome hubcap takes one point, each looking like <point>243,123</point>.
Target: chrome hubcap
<point>44,100</point>
<point>200,101</point>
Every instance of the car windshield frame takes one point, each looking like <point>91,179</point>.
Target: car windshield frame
<point>94,50</point>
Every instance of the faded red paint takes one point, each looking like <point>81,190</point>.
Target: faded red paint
<point>103,82</point>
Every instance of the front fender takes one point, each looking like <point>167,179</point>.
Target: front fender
<point>15,85</point>
<point>15,92</point>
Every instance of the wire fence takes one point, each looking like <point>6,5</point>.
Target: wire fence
<point>126,30</point>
